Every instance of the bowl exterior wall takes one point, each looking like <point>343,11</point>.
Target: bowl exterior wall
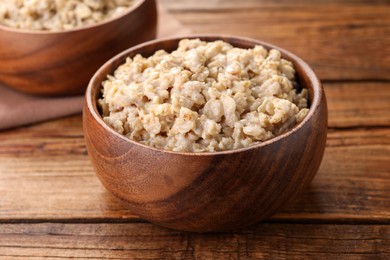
<point>207,193</point>
<point>62,63</point>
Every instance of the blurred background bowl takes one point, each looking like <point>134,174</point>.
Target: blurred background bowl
<point>205,192</point>
<point>61,63</point>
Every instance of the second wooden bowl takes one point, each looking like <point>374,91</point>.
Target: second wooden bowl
<point>62,63</point>
<point>206,191</point>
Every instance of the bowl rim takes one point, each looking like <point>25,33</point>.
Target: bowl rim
<point>314,106</point>
<point>135,6</point>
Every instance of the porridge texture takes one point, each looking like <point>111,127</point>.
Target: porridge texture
<point>204,97</point>
<point>56,15</point>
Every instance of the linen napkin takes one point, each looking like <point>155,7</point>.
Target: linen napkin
<point>18,109</point>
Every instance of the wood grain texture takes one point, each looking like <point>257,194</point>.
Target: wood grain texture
<point>45,174</point>
<point>353,182</point>
<point>341,40</point>
<point>146,241</point>
<point>43,166</point>
<point>185,5</point>
<point>358,104</point>
<point>62,63</point>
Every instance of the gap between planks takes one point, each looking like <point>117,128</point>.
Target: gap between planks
<point>135,220</point>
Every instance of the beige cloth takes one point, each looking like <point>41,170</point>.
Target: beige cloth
<point>17,109</point>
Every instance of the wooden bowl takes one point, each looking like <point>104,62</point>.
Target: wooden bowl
<point>62,63</point>
<point>205,192</point>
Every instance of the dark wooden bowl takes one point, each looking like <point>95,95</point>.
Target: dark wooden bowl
<point>205,192</point>
<point>62,63</point>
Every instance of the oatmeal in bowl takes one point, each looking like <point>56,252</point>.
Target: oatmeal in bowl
<point>204,97</point>
<point>58,15</point>
<point>53,47</point>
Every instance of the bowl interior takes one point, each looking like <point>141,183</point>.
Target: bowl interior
<point>305,77</point>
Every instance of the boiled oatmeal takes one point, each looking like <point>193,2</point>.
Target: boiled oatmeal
<point>55,15</point>
<point>204,97</point>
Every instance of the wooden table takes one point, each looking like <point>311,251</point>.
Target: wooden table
<point>52,205</point>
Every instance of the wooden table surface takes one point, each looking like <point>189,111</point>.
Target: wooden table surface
<point>52,205</point>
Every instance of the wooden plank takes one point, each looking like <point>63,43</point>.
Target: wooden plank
<point>353,182</point>
<point>184,5</point>
<point>145,241</point>
<point>45,174</point>
<point>340,41</point>
<point>359,104</point>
